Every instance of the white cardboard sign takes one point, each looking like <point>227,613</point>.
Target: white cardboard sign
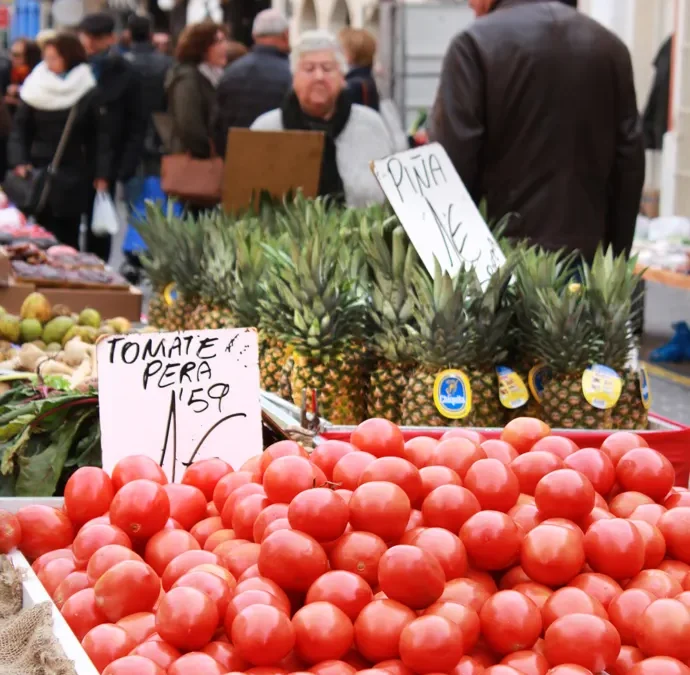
<point>437,212</point>
<point>180,397</point>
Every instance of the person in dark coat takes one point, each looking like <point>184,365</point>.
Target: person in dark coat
<point>536,108</point>
<point>359,47</point>
<point>655,116</point>
<point>257,82</point>
<point>119,93</point>
<point>62,82</point>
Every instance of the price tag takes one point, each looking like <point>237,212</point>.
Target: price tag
<point>512,391</point>
<point>645,388</point>
<point>602,386</point>
<point>452,394</point>
<point>180,397</point>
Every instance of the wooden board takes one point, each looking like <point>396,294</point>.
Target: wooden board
<point>666,277</point>
<point>276,162</point>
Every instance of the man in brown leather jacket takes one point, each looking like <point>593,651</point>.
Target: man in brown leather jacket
<point>536,108</point>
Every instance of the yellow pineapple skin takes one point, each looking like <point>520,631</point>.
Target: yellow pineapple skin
<point>159,315</point>
<point>387,384</point>
<point>565,406</point>
<point>210,317</point>
<point>629,413</point>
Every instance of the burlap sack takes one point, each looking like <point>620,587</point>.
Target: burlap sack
<point>27,643</point>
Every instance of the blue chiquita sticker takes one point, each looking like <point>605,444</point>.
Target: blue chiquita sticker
<point>452,394</point>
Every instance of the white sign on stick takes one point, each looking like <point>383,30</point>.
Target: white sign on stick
<point>437,212</point>
<point>180,397</point>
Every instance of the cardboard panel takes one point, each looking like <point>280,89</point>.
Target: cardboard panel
<point>273,161</point>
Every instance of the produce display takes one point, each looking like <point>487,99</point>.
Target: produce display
<point>11,233</point>
<point>519,556</point>
<point>350,318</point>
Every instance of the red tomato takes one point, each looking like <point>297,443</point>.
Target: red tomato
<point>183,563</point>
<point>219,572</point>
<point>226,655</point>
<point>106,643</point>
<point>464,617</point>
<point>675,526</point>
<point>514,576</point>
<point>161,653</point>
<point>379,437</point>
<point>493,484</point>
<point>133,665</point>
<point>599,586</point>
<point>140,508</point>
<point>531,467</point>
<point>458,454</point>
<point>552,555</point>
<point>418,450</point>
<point>411,576</point>
<point>527,661</point>
<point>219,537</point>
<point>623,504</point>
<point>654,544</point>
<point>237,496</point>
<point>615,547</point>
<point>212,585</point>
<point>627,658</point>
<point>525,515</point>
<point>435,476</point>
<point>242,557</point>
<point>205,474</point>
<point>649,513</point>
<point>137,467</point>
<point>395,470</point>
<point>677,499</point>
<point>286,477</point>
<point>625,611</point>
<point>252,597</point>
<point>346,590</point>
<point>378,628</point>
<point>430,644</point>
<point>676,570</point>
<point>127,588</point>
<point>262,634</point>
<point>492,540</point>
<point>327,454</point>
<point>105,558</point>
<point>54,572</point>
<point>139,626</point>
<point>228,484</point>
<point>349,468</point>
<point>381,508</point>
<point>10,531</point>
<point>475,436</point>
<point>44,529</point>
<point>569,669</point>
<point>510,622</point>
<point>81,612</point>
<point>659,665</point>
<point>596,466</point>
<point>467,592</point>
<point>269,515</point>
<point>319,513</point>
<point>92,539</point>
<point>245,514</point>
<point>663,629</point>
<point>71,584</point>
<point>500,450</point>
<point>186,618</point>
<point>360,553</point>
<point>335,667</point>
<point>647,471</point>
<point>569,600</point>
<point>617,444</point>
<point>564,494</point>
<point>565,641</point>
<point>277,450</point>
<point>262,584</point>
<point>560,446</point>
<point>467,666</point>
<point>323,632</point>
<point>88,494</point>
<point>657,582</point>
<point>537,593</point>
<point>593,516</point>
<point>293,560</point>
<point>446,548</point>
<point>205,528</point>
<point>523,432</point>
<point>197,663</point>
<point>449,507</point>
<point>187,503</point>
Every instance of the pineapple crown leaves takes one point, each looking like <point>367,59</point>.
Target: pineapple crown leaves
<point>251,264</point>
<point>216,271</point>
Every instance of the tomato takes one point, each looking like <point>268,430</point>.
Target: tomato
<point>467,592</point>
<point>212,585</point>
<point>105,558</point>
<point>449,507</point>
<point>510,622</point>
<point>140,508</point>
<point>466,618</point>
<point>219,572</point>
<point>500,450</point>
<point>537,593</point>
<point>493,484</point>
<point>327,454</point>
<point>395,470</point>
<point>293,560</point>
<point>523,432</point>
<point>187,503</point>
<point>228,484</point>
<point>137,467</point>
<point>560,446</point>
<point>527,661</point>
<point>226,655</point>
<point>419,450</point>
<point>252,597</point>
<point>584,640</point>
<point>319,513</point>
<point>675,569</point>
<point>458,454</point>
<point>647,471</point>
<point>615,547</point>
<point>663,629</point>
<point>514,576</point>
<point>657,582</point>
<point>570,600</point>
<point>472,434</point>
<point>241,558</point>
<point>349,468</point>
<point>659,665</point>
<point>106,643</point>
<point>525,515</point>
<point>627,658</point>
<point>245,514</point>
<point>263,634</point>
<point>617,444</point>
<point>531,467</point>
<point>599,586</point>
<point>286,477</point>
<point>322,632</point>
<point>677,499</point>
<point>564,494</point>
<point>269,515</point>
<point>161,653</point>
<point>71,584</point>
<point>219,537</point>
<point>238,495</point>
<point>336,667</point>
<point>569,669</point>
<point>431,644</point>
<point>467,666</point>
<point>133,665</point>
<point>91,539</point>
<point>127,588</point>
<point>205,528</point>
<point>88,494</point>
<point>411,576</point>
<point>435,476</point>
<point>674,525</point>
<point>492,540</point>
<point>623,504</point>
<point>625,611</point>
<point>277,450</point>
<point>593,516</point>
<point>381,508</point>
<point>654,544</point>
<point>379,437</point>
<point>346,590</point>
<point>44,529</point>
<point>81,612</point>
<point>552,555</point>
<point>186,618</point>
<point>184,562</point>
<point>54,572</point>
<point>197,663</point>
<point>10,531</point>
<point>446,548</point>
<point>139,626</point>
<point>360,553</point>
<point>205,474</point>
<point>596,466</point>
<point>378,628</point>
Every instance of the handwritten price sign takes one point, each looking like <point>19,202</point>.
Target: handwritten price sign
<point>437,212</point>
<point>180,397</point>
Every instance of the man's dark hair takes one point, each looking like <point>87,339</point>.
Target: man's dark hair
<point>139,28</point>
<point>570,3</point>
<point>70,49</point>
<point>97,25</point>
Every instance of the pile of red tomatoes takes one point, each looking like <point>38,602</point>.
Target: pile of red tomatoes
<point>464,556</point>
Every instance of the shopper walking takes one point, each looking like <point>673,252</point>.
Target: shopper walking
<point>25,56</point>
<point>536,108</point>
<point>60,88</point>
<point>359,47</point>
<point>257,82</point>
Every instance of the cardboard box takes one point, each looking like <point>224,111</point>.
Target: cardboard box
<point>12,295</point>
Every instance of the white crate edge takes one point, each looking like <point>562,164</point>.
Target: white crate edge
<point>34,593</point>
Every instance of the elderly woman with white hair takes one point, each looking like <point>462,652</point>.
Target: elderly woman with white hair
<point>354,135</point>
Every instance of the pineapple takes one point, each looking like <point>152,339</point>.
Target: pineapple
<point>391,307</point>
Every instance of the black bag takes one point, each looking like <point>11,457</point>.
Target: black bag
<point>30,194</point>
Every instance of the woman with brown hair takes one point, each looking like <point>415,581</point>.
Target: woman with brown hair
<point>359,47</point>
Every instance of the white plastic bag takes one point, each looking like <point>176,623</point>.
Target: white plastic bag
<point>105,219</point>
